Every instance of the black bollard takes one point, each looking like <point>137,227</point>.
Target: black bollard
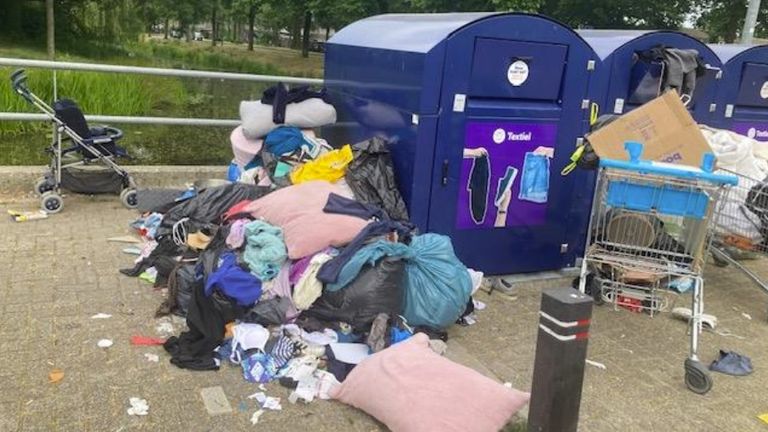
<point>561,351</point>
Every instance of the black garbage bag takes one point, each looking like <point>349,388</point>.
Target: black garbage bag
<point>208,206</point>
<point>372,178</point>
<point>377,289</point>
<point>588,159</point>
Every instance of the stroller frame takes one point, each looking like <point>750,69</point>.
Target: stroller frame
<point>49,186</point>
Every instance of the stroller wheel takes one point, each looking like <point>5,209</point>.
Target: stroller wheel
<point>128,198</point>
<point>42,185</point>
<point>51,202</point>
<point>697,377</point>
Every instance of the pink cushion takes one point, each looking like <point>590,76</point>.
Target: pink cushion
<point>298,210</point>
<point>244,149</point>
<point>410,388</point>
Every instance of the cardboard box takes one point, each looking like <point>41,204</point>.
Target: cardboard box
<point>664,127</point>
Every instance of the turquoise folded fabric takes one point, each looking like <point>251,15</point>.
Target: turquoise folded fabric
<point>265,250</point>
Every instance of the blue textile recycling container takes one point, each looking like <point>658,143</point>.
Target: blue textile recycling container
<point>742,97</point>
<point>483,111</point>
<point>624,82</point>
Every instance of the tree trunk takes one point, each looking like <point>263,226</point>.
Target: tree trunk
<point>251,22</point>
<point>305,34</point>
<point>214,25</point>
<point>296,34</point>
<point>50,29</point>
<point>188,31</point>
<point>327,33</point>
<point>167,24</point>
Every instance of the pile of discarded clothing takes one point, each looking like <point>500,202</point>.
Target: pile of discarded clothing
<point>305,266</point>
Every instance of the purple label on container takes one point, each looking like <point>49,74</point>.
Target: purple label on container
<point>504,179</point>
<point>755,130</point>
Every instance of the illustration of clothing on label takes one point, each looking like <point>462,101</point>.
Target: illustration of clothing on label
<point>534,184</point>
<point>478,186</point>
<point>505,185</point>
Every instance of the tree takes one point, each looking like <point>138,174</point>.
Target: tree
<point>619,14</point>
<point>50,29</point>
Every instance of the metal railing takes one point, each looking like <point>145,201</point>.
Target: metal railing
<point>92,67</point>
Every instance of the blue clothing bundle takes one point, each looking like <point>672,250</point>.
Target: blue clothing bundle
<point>265,250</point>
<point>286,140</point>
<point>329,272</point>
<point>437,285</point>
<point>233,281</point>
<point>534,184</point>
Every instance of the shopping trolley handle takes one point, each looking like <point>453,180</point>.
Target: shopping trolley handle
<point>637,164</point>
<point>19,83</point>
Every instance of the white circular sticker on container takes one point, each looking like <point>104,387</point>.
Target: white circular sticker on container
<point>517,73</point>
<point>764,90</point>
<point>499,135</point>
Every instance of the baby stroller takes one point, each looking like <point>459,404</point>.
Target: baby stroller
<point>90,145</point>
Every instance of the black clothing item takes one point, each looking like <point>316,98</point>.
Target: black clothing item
<point>479,182</point>
<point>329,272</point>
<point>206,319</point>
<point>377,289</point>
<point>681,68</point>
<point>279,97</point>
<point>371,177</point>
<point>339,369</point>
<point>165,252</point>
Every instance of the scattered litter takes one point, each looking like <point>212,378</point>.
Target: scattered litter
<point>139,407</point>
<point>146,340</point>
<point>259,396</point>
<point>24,216</point>
<point>350,353</point>
<point>104,343</point>
<point>242,406</point>
<point>479,305</point>
<point>727,333</point>
<point>746,315</point>
<point>55,376</point>
<point>508,385</point>
<point>262,387</point>
<point>255,416</point>
<point>272,403</point>
<point>124,239</point>
<point>165,328</point>
<point>215,400</point>
<point>685,314</point>
<point>763,417</point>
<point>132,251</point>
<point>152,357</point>
<point>596,364</point>
<point>438,346</point>
<point>101,316</point>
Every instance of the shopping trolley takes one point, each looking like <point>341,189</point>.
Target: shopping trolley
<point>741,225</point>
<point>648,230</point>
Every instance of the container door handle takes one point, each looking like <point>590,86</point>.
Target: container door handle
<point>444,180</point>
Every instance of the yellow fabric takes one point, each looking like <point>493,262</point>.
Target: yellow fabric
<point>763,417</point>
<point>331,167</point>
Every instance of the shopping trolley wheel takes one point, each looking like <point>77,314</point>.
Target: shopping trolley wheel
<point>51,202</point>
<point>42,185</point>
<point>128,198</point>
<point>697,377</point>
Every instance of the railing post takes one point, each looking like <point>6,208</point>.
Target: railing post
<point>561,352</point>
